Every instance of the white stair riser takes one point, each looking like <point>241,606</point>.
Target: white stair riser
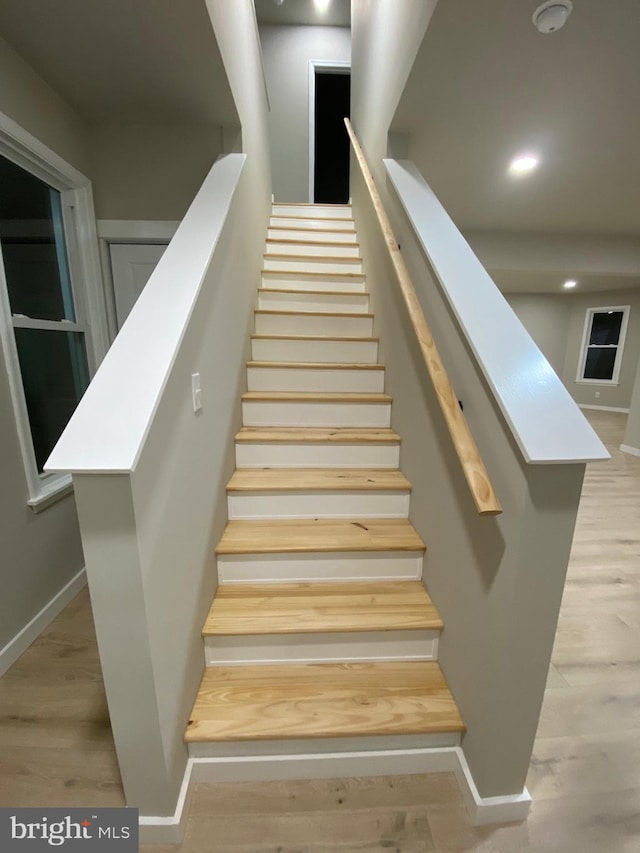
<point>295,281</point>
<point>336,757</point>
<point>325,504</point>
<point>344,250</point>
<point>309,224</point>
<point>344,303</point>
<point>314,324</point>
<point>322,648</point>
<point>314,236</point>
<point>329,265</point>
<point>333,352</point>
<point>320,414</point>
<point>315,566</point>
<point>307,379</point>
<point>326,455</point>
<point>342,211</point>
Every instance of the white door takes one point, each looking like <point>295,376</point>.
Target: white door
<point>131,266</point>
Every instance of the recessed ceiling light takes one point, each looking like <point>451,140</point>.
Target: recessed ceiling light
<point>571,282</point>
<point>321,5</point>
<point>522,164</point>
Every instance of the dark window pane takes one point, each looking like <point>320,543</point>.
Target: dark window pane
<point>54,375</point>
<point>605,328</point>
<point>600,363</point>
<point>33,246</point>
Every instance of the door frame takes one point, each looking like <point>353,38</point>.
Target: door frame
<point>126,231</point>
<point>319,66</point>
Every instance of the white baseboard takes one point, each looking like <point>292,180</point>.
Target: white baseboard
<point>603,408</point>
<point>169,830</point>
<point>627,448</point>
<point>486,810</point>
<point>251,768</point>
<point>32,630</point>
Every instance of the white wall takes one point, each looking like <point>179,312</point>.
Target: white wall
<point>40,553</point>
<point>616,396</point>
<point>546,318</point>
<point>151,492</point>
<point>631,440</point>
<point>287,52</point>
<point>150,172</point>
<point>385,37</point>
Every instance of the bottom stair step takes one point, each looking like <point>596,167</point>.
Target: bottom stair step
<point>272,702</point>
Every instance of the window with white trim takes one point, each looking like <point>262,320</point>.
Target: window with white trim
<point>43,323</point>
<point>602,344</point>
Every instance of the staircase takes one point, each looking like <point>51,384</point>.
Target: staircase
<point>321,635</point>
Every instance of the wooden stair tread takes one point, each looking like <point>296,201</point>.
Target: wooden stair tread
<point>291,291</point>
<point>312,217</point>
<point>310,338</point>
<point>322,700</point>
<point>317,479</point>
<point>319,435</point>
<point>317,274</point>
<point>289,313</point>
<point>300,536</point>
<point>289,241</point>
<point>315,365</point>
<point>317,396</point>
<point>295,608</point>
<point>351,259</point>
<point>312,230</point>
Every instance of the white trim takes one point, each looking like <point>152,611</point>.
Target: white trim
<point>137,230</point>
<point>487,810</point>
<point>52,490</point>
<point>392,762</point>
<point>604,408</point>
<point>632,451</point>
<point>315,65</point>
<point>169,830</point>
<point>32,630</point>
<point>619,347</point>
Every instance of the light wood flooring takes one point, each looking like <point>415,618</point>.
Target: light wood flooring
<point>56,747</point>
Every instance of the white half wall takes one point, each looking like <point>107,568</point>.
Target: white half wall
<point>287,52</point>
<point>546,318</point>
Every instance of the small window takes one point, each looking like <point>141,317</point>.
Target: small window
<point>602,344</point>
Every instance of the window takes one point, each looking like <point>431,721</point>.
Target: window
<point>602,344</point>
<point>50,288</point>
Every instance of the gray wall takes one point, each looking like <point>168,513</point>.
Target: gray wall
<point>496,581</point>
<point>616,396</point>
<point>287,52</point>
<point>148,171</point>
<point>546,318</point>
<point>40,553</point>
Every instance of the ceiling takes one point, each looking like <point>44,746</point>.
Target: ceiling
<point>119,61</point>
<point>535,281</point>
<point>486,85</point>
<point>301,12</point>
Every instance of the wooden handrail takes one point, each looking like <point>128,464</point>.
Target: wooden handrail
<point>473,467</point>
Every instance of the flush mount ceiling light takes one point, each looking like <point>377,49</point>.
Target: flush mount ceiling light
<point>552,15</point>
<point>524,163</point>
<point>571,282</point>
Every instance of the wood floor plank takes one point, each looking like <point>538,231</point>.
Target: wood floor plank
<point>322,700</point>
<point>295,536</point>
<point>294,608</point>
<point>317,479</point>
<point>318,435</point>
